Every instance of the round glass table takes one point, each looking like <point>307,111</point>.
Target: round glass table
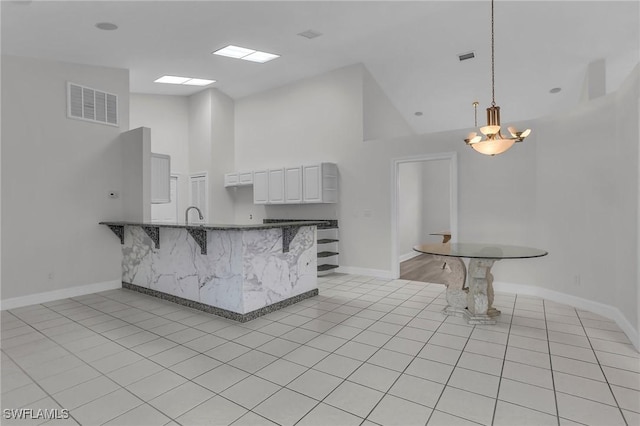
<point>471,295</point>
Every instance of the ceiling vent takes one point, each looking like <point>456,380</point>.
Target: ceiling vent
<point>85,103</point>
<point>310,34</point>
<point>465,56</point>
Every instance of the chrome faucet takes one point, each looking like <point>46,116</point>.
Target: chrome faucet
<point>186,214</point>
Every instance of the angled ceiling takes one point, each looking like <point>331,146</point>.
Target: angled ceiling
<point>410,47</point>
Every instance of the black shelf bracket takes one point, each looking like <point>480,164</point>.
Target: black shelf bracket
<point>119,231</point>
<point>154,233</point>
<point>200,237</point>
<point>288,234</point>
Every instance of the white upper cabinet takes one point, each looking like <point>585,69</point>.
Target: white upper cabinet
<point>160,178</point>
<point>313,183</point>
<point>276,186</point>
<point>231,179</point>
<point>245,178</point>
<point>238,179</point>
<point>320,183</point>
<point>293,185</point>
<point>260,187</point>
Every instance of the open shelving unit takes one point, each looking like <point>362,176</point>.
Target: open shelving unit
<point>328,249</point>
<point>328,239</point>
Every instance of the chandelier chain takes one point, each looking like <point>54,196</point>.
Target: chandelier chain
<point>475,114</point>
<point>493,77</point>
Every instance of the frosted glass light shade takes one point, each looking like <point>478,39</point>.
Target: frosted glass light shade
<point>489,130</point>
<point>519,135</point>
<point>493,147</point>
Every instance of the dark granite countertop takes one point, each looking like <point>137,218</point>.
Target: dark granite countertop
<point>216,227</point>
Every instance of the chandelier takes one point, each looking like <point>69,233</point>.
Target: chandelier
<point>493,142</point>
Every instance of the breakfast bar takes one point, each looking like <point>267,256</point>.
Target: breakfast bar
<point>235,271</point>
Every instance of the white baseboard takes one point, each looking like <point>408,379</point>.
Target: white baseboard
<point>606,311</point>
<point>408,256</point>
<point>377,273</point>
<point>50,296</point>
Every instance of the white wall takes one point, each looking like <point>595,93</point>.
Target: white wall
<point>381,119</point>
<point>200,139</point>
<point>410,208</point>
<point>168,119</point>
<point>136,175</point>
<point>568,188</point>
<point>198,133</point>
<point>318,119</point>
<point>222,156</point>
<point>56,174</point>
<point>211,150</point>
<point>587,200</point>
<point>436,199</point>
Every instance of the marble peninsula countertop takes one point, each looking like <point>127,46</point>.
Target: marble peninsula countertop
<point>216,227</point>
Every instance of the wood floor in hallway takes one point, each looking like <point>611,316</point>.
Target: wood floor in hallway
<point>423,268</point>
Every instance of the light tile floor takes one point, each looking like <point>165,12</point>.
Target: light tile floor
<point>364,352</point>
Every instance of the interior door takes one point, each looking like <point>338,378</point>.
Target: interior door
<point>167,212</point>
<point>198,187</point>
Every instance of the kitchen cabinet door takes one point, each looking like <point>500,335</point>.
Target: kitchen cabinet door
<point>276,186</point>
<point>230,179</point>
<point>245,178</point>
<point>293,185</point>
<point>320,183</point>
<point>260,187</point>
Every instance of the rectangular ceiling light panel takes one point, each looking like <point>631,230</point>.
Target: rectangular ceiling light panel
<point>238,52</point>
<point>198,82</point>
<point>234,52</point>
<point>172,79</point>
<point>260,57</point>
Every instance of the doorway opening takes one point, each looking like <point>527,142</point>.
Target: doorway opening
<point>424,201</point>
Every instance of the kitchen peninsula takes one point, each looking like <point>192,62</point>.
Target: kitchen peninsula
<point>235,271</point>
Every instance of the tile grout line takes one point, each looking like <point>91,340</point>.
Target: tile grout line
<point>624,418</point>
<point>323,306</point>
<point>504,360</point>
<point>449,378</point>
<point>100,372</point>
<point>370,356</point>
<point>35,381</point>
<point>104,374</point>
<point>553,378</point>
<point>149,330</point>
<point>405,368</point>
<point>253,374</point>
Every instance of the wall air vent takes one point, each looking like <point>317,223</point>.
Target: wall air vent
<point>85,103</point>
<point>465,56</point>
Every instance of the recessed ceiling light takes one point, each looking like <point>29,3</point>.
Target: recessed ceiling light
<point>198,82</point>
<point>107,26</point>
<point>417,113</point>
<point>238,52</point>
<point>260,57</point>
<point>234,51</point>
<point>310,34</point>
<point>172,79</point>
<point>555,90</point>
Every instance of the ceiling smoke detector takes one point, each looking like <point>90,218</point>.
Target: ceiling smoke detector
<point>465,56</point>
<point>310,34</point>
<point>107,26</point>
